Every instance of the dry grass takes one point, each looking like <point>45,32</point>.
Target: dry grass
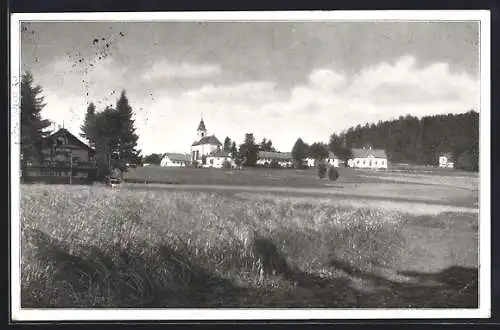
<point>99,247</point>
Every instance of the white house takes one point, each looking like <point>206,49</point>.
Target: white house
<point>283,159</point>
<point>332,159</point>
<point>175,160</point>
<point>368,158</point>
<point>217,158</point>
<point>446,160</point>
<point>309,161</point>
<point>204,145</point>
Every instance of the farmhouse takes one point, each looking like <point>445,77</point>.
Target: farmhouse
<point>446,160</point>
<point>64,156</point>
<point>175,160</point>
<point>204,145</point>
<point>368,158</point>
<point>330,160</point>
<point>267,158</point>
<point>217,158</point>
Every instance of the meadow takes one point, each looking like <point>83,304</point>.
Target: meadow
<point>141,246</point>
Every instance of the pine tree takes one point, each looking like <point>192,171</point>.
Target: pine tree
<point>126,138</point>
<point>227,144</point>
<point>234,150</point>
<point>33,127</point>
<point>88,127</point>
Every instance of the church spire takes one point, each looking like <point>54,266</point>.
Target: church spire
<point>202,127</point>
<point>202,130</point>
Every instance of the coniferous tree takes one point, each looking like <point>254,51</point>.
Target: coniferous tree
<point>89,125</point>
<point>33,126</point>
<point>126,138</point>
<point>227,144</point>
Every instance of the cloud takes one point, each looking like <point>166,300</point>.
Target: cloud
<point>166,70</point>
<point>246,92</point>
<point>328,101</point>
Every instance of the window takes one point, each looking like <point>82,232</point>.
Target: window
<point>211,161</point>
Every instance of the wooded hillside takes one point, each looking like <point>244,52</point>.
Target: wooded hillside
<point>417,141</point>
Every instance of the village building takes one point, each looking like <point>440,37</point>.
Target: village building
<point>217,158</point>
<point>65,158</point>
<point>175,160</point>
<point>446,160</point>
<point>368,158</point>
<point>331,160</point>
<point>205,145</point>
<point>267,158</point>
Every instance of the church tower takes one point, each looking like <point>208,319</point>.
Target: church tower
<point>202,131</point>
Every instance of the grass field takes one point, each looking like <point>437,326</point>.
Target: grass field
<point>139,246</point>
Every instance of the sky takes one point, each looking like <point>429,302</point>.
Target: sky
<point>278,80</point>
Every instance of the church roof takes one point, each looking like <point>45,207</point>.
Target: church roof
<point>208,140</point>
<point>219,153</point>
<point>202,127</point>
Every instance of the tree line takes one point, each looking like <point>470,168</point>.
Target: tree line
<point>409,139</point>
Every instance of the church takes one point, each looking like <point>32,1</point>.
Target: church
<point>205,145</point>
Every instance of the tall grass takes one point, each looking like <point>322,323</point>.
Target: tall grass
<point>99,247</point>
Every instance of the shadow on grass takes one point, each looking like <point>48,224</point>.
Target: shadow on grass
<point>119,277</point>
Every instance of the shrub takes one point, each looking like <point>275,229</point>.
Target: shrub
<point>274,164</point>
<point>467,161</point>
<point>321,170</point>
<point>227,164</point>
<point>333,174</point>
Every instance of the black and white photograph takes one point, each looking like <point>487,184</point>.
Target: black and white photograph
<point>250,165</point>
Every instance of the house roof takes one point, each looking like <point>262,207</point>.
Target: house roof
<point>275,155</point>
<point>218,153</point>
<point>366,153</point>
<point>208,140</point>
<point>72,140</point>
<point>176,157</point>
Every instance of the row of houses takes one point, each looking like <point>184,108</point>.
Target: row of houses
<point>207,150</point>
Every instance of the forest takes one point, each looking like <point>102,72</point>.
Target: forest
<point>411,140</point>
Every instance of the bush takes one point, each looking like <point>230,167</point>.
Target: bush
<point>227,165</point>
<point>274,164</point>
<point>467,161</point>
<point>321,170</point>
<point>333,174</point>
